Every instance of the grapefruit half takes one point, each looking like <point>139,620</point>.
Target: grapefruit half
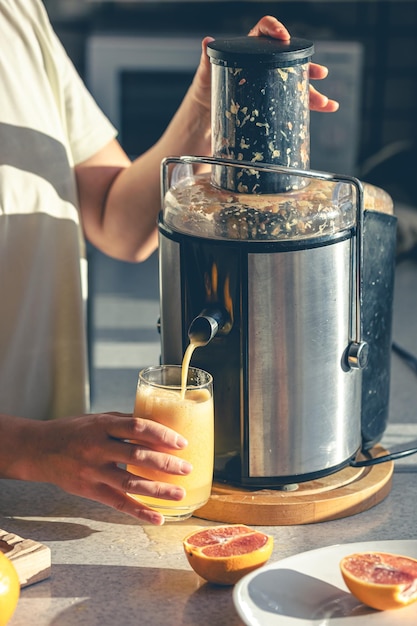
<point>224,554</point>
<point>381,580</point>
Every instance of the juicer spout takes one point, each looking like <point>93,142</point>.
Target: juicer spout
<point>207,324</point>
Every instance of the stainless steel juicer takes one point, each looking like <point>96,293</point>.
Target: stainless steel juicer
<point>284,274</point>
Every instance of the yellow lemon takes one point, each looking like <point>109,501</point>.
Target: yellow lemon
<point>9,589</point>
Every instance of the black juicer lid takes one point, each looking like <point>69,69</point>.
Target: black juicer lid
<point>245,51</point>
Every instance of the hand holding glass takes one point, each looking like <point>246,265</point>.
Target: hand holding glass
<point>188,411</point>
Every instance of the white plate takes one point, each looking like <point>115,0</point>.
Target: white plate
<point>308,590</point>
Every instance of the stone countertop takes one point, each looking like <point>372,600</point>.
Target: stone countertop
<point>110,569</point>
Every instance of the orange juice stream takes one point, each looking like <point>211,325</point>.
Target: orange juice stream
<point>185,365</point>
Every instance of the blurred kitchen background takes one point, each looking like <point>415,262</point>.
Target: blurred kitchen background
<point>138,57</point>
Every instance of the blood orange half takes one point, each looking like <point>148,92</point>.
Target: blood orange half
<point>224,554</point>
<point>381,580</point>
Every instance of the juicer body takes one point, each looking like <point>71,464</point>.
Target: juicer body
<point>287,406</point>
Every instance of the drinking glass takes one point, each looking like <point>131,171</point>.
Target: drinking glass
<point>187,409</point>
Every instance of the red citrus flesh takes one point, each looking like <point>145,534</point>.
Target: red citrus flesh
<point>381,580</point>
<point>223,554</point>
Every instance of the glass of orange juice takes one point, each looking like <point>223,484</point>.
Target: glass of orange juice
<point>186,406</point>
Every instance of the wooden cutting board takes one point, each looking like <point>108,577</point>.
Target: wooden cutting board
<point>344,493</point>
<point>31,559</point>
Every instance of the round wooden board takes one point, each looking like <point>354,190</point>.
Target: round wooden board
<point>344,493</point>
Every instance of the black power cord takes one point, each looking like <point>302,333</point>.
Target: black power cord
<point>409,358</point>
<point>384,458</point>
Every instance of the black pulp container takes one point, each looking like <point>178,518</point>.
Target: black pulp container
<point>379,246</point>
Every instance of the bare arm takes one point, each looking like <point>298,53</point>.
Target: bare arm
<point>120,200</point>
<point>82,455</point>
